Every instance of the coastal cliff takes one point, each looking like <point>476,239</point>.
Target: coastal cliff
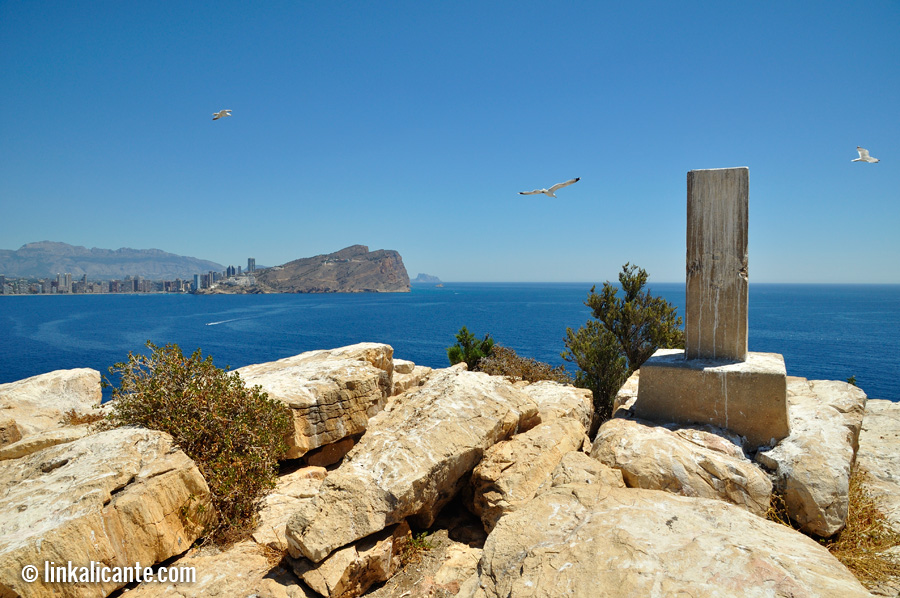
<point>354,269</point>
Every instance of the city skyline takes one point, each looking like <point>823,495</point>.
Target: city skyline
<point>417,135</point>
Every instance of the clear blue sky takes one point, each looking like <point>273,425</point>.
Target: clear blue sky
<point>413,125</point>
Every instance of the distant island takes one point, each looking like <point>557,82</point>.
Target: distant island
<point>48,258</point>
<point>426,278</point>
<point>354,269</point>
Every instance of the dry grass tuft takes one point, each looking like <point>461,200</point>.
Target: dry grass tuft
<point>861,544</point>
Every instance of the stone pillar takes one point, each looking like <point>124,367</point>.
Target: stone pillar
<point>717,288</point>
<point>715,380</point>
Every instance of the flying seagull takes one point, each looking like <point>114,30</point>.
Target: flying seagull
<point>550,192</point>
<point>864,156</point>
<point>220,114</point>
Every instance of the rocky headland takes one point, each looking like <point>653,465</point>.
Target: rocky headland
<point>354,269</point>
<point>514,497</point>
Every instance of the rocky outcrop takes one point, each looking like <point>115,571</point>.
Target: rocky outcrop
<point>292,491</point>
<point>512,471</point>
<point>352,570</point>
<point>332,394</point>
<point>412,459</point>
<point>39,403</point>
<point>350,270</point>
<point>42,440</point>
<point>116,497</point>
<point>879,457</point>
<point>812,466</point>
<point>627,394</point>
<point>590,540</point>
<point>243,570</point>
<point>558,401</point>
<point>690,461</point>
<point>879,454</point>
<point>408,375</point>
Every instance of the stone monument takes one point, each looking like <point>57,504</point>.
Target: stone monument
<point>715,380</point>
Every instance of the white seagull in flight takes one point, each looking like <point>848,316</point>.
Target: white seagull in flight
<point>550,192</point>
<point>220,114</point>
<point>864,156</point>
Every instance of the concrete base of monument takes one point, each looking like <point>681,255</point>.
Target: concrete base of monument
<point>748,398</point>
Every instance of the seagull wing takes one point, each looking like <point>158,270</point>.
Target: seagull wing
<point>535,192</point>
<point>561,185</point>
<point>863,153</point>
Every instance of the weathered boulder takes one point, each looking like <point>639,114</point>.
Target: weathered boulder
<point>412,459</point>
<point>38,403</point>
<point>406,377</point>
<point>812,466</point>
<point>594,540</point>
<point>558,401</point>
<point>350,571</point>
<point>243,570</point>
<point>288,496</point>
<point>879,454</point>
<point>45,439</point>
<point>332,394</point>
<point>578,468</point>
<point>511,472</point>
<point>117,497</point>
<point>691,461</point>
<point>460,563</point>
<point>330,453</point>
<point>627,394</point>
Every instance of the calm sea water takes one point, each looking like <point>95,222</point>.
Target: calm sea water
<point>823,331</point>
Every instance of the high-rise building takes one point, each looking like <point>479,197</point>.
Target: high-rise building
<point>68,282</point>
<point>251,265</point>
<point>2,285</point>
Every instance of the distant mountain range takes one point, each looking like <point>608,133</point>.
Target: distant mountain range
<point>354,269</point>
<point>48,258</point>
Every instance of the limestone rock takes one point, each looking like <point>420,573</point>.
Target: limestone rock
<point>812,465</point>
<point>511,471</point>
<point>687,461</point>
<point>404,380</point>
<point>242,570</point>
<point>879,454</point>
<point>330,453</point>
<point>627,394</point>
<point>120,497</point>
<point>42,440</point>
<point>461,562</point>
<point>556,401</point>
<point>38,403</point>
<point>403,366</point>
<point>352,570</point>
<point>332,394</point>
<point>277,507</point>
<point>579,468</point>
<point>591,540</point>
<point>412,460</point>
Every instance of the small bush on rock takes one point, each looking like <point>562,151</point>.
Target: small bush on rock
<point>504,361</point>
<point>236,435</point>
<point>469,349</point>
<point>627,330</point>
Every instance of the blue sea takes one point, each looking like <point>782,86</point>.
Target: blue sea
<point>824,331</point>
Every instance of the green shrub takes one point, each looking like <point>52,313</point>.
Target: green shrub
<point>504,361</point>
<point>235,435</point>
<point>626,332</point>
<point>469,349</point>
